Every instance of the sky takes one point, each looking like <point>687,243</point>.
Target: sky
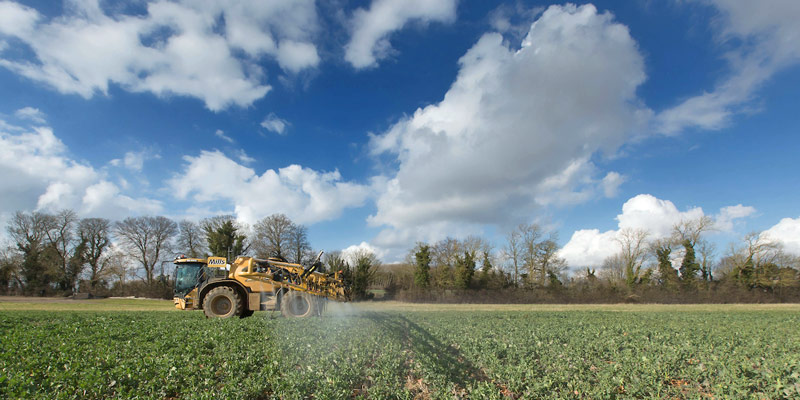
<point>378,124</point>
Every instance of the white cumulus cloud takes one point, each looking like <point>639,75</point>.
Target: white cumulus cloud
<point>38,173</point>
<point>727,216</point>
<point>369,41</point>
<point>786,232</point>
<point>611,183</point>
<point>517,128</point>
<point>305,195</point>
<point>221,134</point>
<point>31,114</point>
<point>105,199</point>
<point>589,247</point>
<point>243,157</point>
<point>209,50</point>
<point>352,252</point>
<point>16,19</point>
<point>657,216</point>
<point>297,56</point>
<point>133,160</point>
<point>274,124</point>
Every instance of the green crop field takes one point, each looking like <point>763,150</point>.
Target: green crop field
<point>85,350</point>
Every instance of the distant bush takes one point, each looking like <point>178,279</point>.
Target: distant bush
<point>159,289</point>
<point>719,293</point>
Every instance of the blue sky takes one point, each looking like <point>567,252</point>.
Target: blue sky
<point>382,123</point>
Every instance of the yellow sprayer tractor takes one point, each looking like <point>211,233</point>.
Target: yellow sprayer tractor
<point>249,284</point>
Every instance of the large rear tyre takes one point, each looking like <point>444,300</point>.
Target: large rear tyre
<point>222,302</point>
<point>298,305</point>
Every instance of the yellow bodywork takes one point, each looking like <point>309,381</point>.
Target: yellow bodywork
<point>256,275</point>
<point>187,302</point>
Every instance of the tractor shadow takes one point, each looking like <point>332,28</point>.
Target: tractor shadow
<point>428,352</point>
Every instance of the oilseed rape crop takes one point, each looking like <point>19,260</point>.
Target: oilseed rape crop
<point>401,355</point>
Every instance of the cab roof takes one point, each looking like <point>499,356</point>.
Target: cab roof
<point>190,260</point>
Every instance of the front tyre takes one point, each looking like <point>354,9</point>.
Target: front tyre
<point>222,302</point>
<point>298,305</point>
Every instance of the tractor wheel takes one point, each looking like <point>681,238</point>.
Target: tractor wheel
<point>298,305</point>
<point>246,313</point>
<point>222,302</point>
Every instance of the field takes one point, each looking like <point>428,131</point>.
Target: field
<point>86,349</point>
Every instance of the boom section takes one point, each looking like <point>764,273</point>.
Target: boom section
<point>273,274</point>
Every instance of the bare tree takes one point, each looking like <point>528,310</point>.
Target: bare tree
<point>547,259</point>
<point>706,250</point>
<point>761,255</point>
<point>60,235</point>
<point>95,234</point>
<point>761,249</point>
<point>475,245</point>
<point>513,252</point>
<point>633,251</point>
<point>756,262</point>
<point>146,239</point>
<point>117,265</point>
<point>299,248</point>
<point>191,239</point>
<point>334,261</point>
<point>613,268</point>
<point>538,252</point>
<point>444,255</point>
<point>692,230</point>
<point>445,252</point>
<point>272,236</point>
<point>734,258</point>
<point>27,230</point>
<point>530,237</point>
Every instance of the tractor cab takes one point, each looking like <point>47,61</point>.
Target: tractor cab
<point>190,273</point>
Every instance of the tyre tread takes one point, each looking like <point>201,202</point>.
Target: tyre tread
<point>223,291</point>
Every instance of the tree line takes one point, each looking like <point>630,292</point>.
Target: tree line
<point>60,253</point>
<point>683,267</point>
